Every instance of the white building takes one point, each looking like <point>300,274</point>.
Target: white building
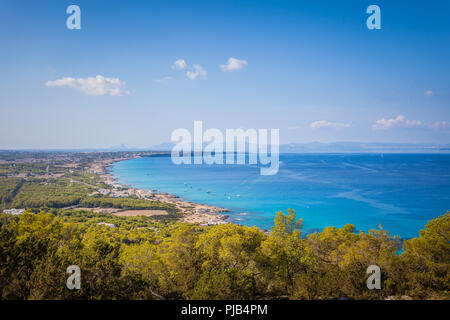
<point>14,211</point>
<point>107,224</point>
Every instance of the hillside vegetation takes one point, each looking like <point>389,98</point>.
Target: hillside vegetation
<point>140,258</point>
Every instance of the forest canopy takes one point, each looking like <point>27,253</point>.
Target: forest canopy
<point>140,258</point>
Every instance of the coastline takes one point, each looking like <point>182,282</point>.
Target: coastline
<point>193,212</point>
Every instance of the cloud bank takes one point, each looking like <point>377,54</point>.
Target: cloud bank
<point>444,125</point>
<point>98,86</point>
<point>180,64</point>
<point>327,124</point>
<point>400,122</point>
<point>429,93</point>
<point>233,64</point>
<point>197,71</point>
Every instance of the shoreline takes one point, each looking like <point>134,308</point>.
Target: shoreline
<point>193,212</point>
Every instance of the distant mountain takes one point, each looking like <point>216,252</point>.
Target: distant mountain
<point>360,147</point>
<point>122,147</point>
<point>166,146</point>
<point>344,147</point>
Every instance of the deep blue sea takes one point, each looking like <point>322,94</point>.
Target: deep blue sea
<point>400,192</point>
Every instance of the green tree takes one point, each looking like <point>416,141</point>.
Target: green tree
<point>283,254</point>
<point>229,255</point>
<point>427,260</point>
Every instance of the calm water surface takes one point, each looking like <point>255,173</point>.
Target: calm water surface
<point>400,192</point>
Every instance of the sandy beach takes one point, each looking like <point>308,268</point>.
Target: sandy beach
<point>192,212</point>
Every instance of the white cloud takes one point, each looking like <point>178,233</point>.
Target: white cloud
<point>164,80</point>
<point>196,72</point>
<point>400,121</point>
<point>444,125</point>
<point>429,93</point>
<point>180,64</point>
<point>327,124</point>
<point>98,85</point>
<point>233,64</point>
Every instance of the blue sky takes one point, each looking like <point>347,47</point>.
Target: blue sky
<point>310,68</point>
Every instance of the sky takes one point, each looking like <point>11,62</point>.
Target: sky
<point>138,70</point>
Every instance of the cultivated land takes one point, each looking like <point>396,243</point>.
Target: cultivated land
<point>81,181</point>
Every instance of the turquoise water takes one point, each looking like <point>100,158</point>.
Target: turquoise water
<point>400,192</point>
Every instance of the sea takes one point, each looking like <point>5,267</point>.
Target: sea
<point>397,192</point>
